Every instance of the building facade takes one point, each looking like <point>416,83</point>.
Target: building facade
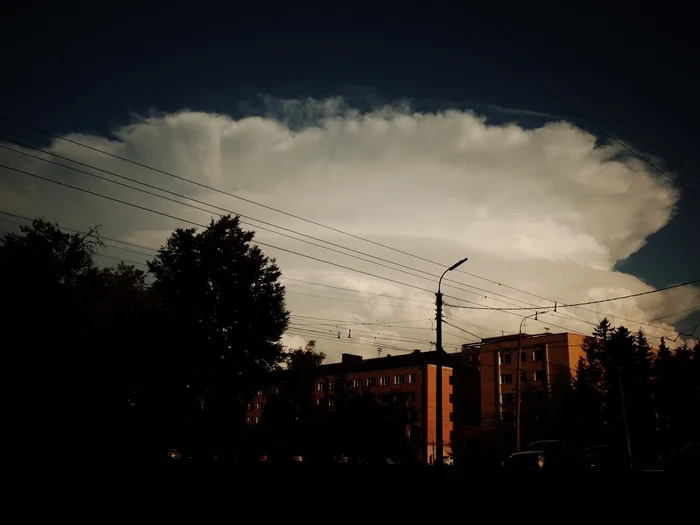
<point>547,360</point>
<point>412,374</point>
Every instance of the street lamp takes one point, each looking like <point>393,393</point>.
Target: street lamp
<point>438,367</point>
<point>517,379</point>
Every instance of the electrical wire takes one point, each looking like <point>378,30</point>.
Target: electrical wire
<point>695,281</point>
<point>250,201</point>
<point>558,72</point>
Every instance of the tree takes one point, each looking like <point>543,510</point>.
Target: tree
<point>292,412</point>
<point>42,278</point>
<point>223,314</point>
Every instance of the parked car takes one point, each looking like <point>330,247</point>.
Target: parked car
<point>550,455</point>
<point>689,459</point>
<point>602,457</point>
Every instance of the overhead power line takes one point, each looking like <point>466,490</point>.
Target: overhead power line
<point>585,94</point>
<point>577,114</point>
<point>316,223</point>
<point>553,308</point>
<point>434,276</point>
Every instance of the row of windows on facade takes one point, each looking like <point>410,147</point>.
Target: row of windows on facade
<point>509,398</point>
<point>538,375</point>
<point>409,396</point>
<point>370,382</point>
<point>254,420</point>
<point>506,358</point>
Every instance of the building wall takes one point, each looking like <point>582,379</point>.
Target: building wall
<point>430,411</point>
<point>423,389</point>
<point>546,357</point>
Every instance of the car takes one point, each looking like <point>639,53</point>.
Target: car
<point>689,459</point>
<point>547,456</point>
<point>602,457</point>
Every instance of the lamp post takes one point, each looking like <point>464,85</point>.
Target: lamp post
<point>438,367</point>
<point>518,392</point>
<point>624,405</point>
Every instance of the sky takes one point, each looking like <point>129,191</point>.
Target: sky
<point>503,134</point>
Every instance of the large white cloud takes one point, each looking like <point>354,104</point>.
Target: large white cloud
<point>546,210</point>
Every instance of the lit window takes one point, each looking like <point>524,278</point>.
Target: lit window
<point>319,387</point>
<point>331,385</point>
<point>398,380</point>
<point>356,383</point>
<point>260,405</point>
<point>385,380</point>
<point>411,378</point>
<point>371,381</point>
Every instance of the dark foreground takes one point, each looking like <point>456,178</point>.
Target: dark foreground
<point>303,488</point>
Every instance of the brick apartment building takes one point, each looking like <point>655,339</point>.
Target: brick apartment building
<point>546,358</point>
<point>414,374</point>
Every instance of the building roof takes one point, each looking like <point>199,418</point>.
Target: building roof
<point>354,363</point>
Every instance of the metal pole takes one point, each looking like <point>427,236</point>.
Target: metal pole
<point>438,368</point>
<point>624,415</point>
<point>517,389</point>
<point>624,407</point>
<point>438,381</point>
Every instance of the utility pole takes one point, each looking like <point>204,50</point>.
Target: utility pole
<point>518,389</point>
<point>438,381</point>
<point>438,369</point>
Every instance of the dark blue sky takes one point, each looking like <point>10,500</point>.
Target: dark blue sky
<point>85,67</point>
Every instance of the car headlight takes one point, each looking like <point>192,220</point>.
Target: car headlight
<point>540,462</point>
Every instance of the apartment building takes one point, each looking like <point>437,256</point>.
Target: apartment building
<point>413,374</point>
<point>545,359</point>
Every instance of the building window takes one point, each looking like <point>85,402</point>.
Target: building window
<point>506,379</point>
<point>260,392</point>
<point>451,380</point>
<point>371,381</point>
<point>319,387</point>
<point>540,375</point>
<point>331,385</point>
<point>452,416</point>
<point>538,355</point>
<point>398,380</point>
<point>357,383</point>
<point>249,420</point>
<point>523,376</point>
<point>256,420</point>
<point>318,402</point>
<point>523,357</point>
<point>251,406</point>
<point>411,378</point>
<point>508,417</point>
<point>452,398</point>
<point>260,405</point>
<point>385,380</point>
<point>331,402</point>
<point>507,399</point>
<point>504,359</point>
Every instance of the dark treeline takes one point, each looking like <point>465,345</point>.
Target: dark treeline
<point>199,333</point>
<point>660,388</point>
